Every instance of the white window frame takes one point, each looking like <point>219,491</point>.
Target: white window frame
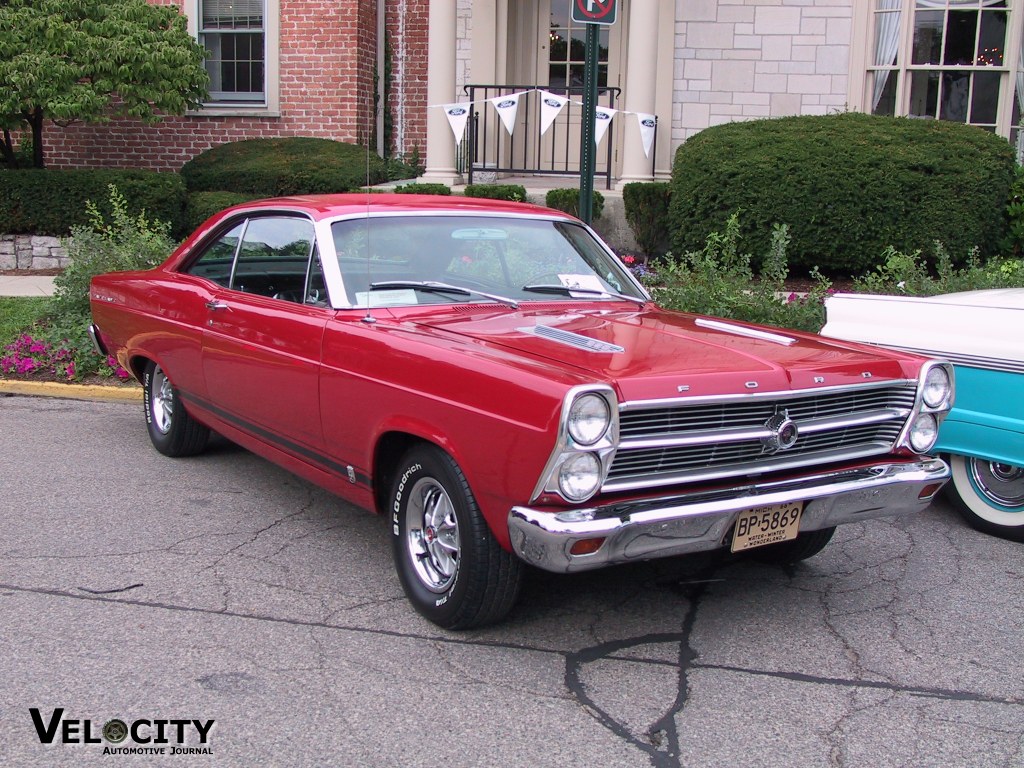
<point>862,51</point>
<point>270,105</point>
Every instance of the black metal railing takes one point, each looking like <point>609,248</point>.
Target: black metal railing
<point>491,149</point>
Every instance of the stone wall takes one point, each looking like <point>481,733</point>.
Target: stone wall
<point>31,252</point>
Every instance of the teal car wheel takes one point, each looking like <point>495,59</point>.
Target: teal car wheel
<point>990,495</point>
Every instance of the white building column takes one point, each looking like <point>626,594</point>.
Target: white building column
<point>640,89</point>
<point>441,40</point>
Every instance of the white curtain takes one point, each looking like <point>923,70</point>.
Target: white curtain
<point>887,44</point>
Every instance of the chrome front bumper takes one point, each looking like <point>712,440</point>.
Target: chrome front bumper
<point>676,525</point>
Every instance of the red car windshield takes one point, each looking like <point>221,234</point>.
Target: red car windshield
<point>405,260</point>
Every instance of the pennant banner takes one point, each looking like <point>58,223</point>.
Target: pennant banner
<point>602,119</point>
<point>507,107</point>
<point>550,105</point>
<point>458,115</point>
<point>647,125</point>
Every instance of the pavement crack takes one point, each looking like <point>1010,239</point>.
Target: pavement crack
<point>111,591</point>
<point>661,742</point>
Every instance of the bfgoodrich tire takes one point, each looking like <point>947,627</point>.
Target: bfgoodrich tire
<point>802,547</point>
<point>172,429</point>
<point>989,495</point>
<point>451,567</point>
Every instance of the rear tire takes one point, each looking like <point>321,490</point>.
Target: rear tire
<point>172,429</point>
<point>788,552</point>
<point>451,567</point>
<point>989,495</point>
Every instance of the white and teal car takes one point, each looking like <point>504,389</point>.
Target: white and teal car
<point>982,334</point>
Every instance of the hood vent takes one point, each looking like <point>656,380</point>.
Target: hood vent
<point>571,339</point>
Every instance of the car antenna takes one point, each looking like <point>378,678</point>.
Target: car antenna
<point>368,318</point>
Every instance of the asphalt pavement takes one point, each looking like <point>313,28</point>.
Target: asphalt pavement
<point>219,603</point>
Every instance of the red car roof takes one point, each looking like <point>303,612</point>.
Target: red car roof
<point>328,206</point>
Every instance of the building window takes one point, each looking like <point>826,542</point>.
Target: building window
<point>567,52</point>
<point>234,34</point>
<point>946,60</point>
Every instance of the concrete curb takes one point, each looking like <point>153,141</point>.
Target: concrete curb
<point>125,394</point>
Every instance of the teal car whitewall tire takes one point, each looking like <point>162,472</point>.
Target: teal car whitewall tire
<point>990,495</point>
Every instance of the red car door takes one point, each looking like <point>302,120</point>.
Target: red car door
<point>262,342</point>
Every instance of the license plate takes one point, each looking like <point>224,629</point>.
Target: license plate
<point>768,524</point>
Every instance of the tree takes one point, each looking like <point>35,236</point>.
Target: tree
<point>90,60</point>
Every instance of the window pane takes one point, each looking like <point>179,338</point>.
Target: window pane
<point>215,263</point>
<point>924,94</point>
<point>887,38</point>
<point>235,65</point>
<point>883,88</point>
<point>232,14</point>
<point>992,41</point>
<point>956,88</point>
<point>961,30</point>
<point>985,99</point>
<point>927,37</point>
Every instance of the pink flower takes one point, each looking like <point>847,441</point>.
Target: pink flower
<point>630,260</point>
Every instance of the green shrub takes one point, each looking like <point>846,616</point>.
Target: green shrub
<point>1013,243</point>
<point>423,189</point>
<point>202,205</point>
<point>53,202</point>
<point>907,274</point>
<point>848,185</point>
<point>114,242</point>
<point>288,166</point>
<point>718,280</point>
<point>516,193</point>
<point>646,205</point>
<point>568,200</point>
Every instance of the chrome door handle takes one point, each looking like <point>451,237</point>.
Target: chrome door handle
<point>214,305</point>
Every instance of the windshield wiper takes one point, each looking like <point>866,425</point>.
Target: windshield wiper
<point>431,286</point>
<point>566,290</point>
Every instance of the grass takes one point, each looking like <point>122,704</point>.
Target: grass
<point>18,313</point>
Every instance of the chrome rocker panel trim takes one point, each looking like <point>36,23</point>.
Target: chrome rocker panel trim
<point>676,525</point>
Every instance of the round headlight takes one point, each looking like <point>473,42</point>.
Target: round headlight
<point>589,419</point>
<point>924,432</point>
<point>580,476</point>
<point>936,387</point>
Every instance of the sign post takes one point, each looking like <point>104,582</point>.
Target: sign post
<point>593,13</point>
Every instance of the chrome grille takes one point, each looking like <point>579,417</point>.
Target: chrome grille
<point>688,442</point>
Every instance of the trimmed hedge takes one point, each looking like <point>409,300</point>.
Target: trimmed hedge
<point>202,205</point>
<point>515,193</point>
<point>423,189</point>
<point>51,202</point>
<point>296,165</point>
<point>568,201</point>
<point>646,204</point>
<point>848,185</point>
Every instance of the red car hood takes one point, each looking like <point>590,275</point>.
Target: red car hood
<point>653,353</point>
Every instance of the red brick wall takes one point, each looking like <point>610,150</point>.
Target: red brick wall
<point>327,59</point>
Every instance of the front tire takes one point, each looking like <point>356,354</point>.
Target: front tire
<point>802,547</point>
<point>451,567</point>
<point>989,495</point>
<point>172,429</point>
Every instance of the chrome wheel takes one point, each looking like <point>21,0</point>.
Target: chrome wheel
<point>1002,483</point>
<point>432,535</point>
<point>171,427</point>
<point>989,494</point>
<point>162,402</point>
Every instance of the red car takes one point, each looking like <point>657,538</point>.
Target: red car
<point>493,379</point>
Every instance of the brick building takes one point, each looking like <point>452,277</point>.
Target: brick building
<point>307,67</point>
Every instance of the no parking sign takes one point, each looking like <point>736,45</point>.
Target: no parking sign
<point>595,11</point>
